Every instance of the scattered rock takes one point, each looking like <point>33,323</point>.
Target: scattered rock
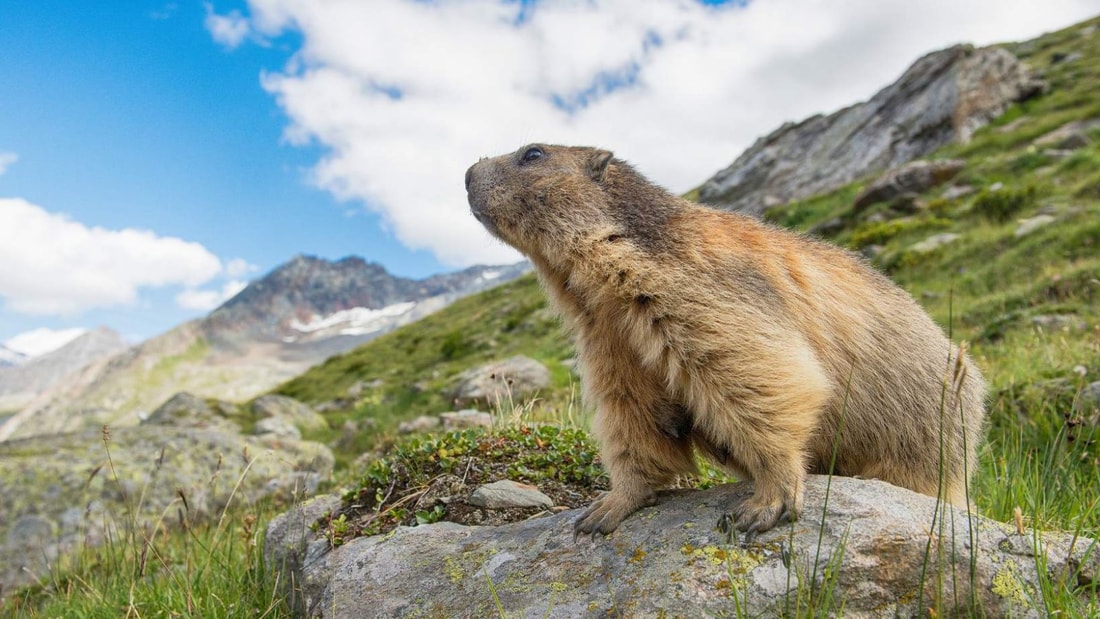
<point>934,242</point>
<point>187,410</point>
<point>1070,136</point>
<point>1060,57</point>
<point>292,411</point>
<point>943,97</point>
<point>423,423</point>
<point>512,380</point>
<point>997,186</point>
<point>827,228</point>
<point>505,494</point>
<point>671,559</point>
<point>1031,224</point>
<point>911,179</point>
<point>876,218</point>
<point>466,418</point>
<point>277,426</point>
<point>872,251</point>
<point>1059,322</point>
<point>955,192</point>
<point>359,387</point>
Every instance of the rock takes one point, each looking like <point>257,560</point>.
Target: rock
<point>277,426</point>
<point>1058,322</point>
<point>1031,224</point>
<point>872,251</point>
<point>292,411</point>
<point>187,410</point>
<point>1060,57</point>
<point>910,179</point>
<point>997,186</point>
<point>934,242</point>
<point>501,382</point>
<point>466,418</point>
<point>828,227</point>
<point>943,97</point>
<point>671,559</point>
<point>955,192</point>
<point>1070,136</point>
<point>64,482</point>
<point>423,423</point>
<point>506,493</point>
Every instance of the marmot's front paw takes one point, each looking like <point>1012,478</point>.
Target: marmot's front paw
<point>604,515</point>
<point>755,515</point>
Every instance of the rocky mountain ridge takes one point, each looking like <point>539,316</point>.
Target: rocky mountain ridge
<point>941,98</point>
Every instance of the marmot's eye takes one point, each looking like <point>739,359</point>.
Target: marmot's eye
<point>532,154</point>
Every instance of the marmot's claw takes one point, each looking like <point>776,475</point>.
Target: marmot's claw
<point>753,518</point>
<point>605,514</point>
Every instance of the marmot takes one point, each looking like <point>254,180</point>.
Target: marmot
<point>702,328</point>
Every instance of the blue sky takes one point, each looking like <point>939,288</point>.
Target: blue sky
<point>238,134</point>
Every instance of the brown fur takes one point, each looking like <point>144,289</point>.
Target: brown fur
<point>707,329</point>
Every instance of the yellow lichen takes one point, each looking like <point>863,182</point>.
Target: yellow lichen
<point>1006,583</point>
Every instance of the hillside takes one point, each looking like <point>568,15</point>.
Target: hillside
<point>1026,297</point>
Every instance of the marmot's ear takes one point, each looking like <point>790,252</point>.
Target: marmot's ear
<point>597,164</point>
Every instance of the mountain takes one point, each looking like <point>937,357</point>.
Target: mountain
<point>943,97</point>
<point>9,357</point>
<point>21,383</point>
<point>299,314</point>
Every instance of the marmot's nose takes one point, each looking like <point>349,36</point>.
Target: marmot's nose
<point>469,176</point>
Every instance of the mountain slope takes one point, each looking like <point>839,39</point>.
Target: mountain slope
<point>22,383</point>
<point>295,316</point>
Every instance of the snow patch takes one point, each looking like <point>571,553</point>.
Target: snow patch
<point>43,340</point>
<point>354,321</point>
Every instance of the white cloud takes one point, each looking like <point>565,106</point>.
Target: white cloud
<point>42,340</point>
<point>230,29</point>
<point>470,82</point>
<point>238,268</point>
<point>208,299</point>
<point>6,159</point>
<point>54,265</point>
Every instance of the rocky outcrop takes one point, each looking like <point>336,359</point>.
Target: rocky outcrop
<point>58,493</point>
<point>943,97</point>
<point>274,406</point>
<point>912,178</point>
<point>872,554</point>
<point>510,380</point>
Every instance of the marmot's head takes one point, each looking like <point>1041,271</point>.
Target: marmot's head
<point>541,198</point>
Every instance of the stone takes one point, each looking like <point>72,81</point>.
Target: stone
<point>466,418</point>
<point>955,192</point>
<point>827,228</point>
<point>1058,322</point>
<point>505,494</point>
<point>943,97</point>
<point>1070,136</point>
<point>501,383</point>
<point>934,242</point>
<point>292,411</point>
<point>910,180</point>
<point>187,410</point>
<point>277,426</point>
<point>1088,403</point>
<point>672,559</point>
<point>423,423</point>
<point>1031,224</point>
